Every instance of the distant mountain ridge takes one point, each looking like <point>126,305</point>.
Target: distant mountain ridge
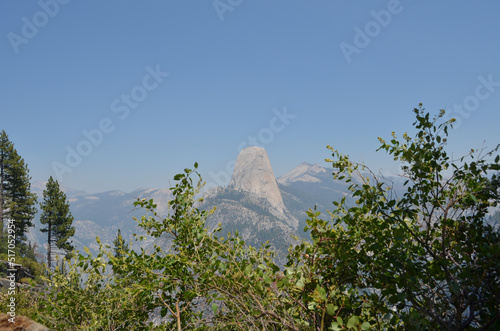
<point>304,172</point>
<point>101,214</point>
<point>255,203</point>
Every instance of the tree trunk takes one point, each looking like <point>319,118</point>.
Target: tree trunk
<point>49,245</point>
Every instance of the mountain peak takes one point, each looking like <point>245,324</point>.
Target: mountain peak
<point>304,172</point>
<point>38,188</point>
<point>253,173</point>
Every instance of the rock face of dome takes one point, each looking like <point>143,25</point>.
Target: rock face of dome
<point>253,173</point>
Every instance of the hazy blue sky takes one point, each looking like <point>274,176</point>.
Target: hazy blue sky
<point>168,83</point>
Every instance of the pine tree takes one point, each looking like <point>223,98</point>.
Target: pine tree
<point>120,249</point>
<point>17,202</point>
<point>120,246</point>
<point>58,219</point>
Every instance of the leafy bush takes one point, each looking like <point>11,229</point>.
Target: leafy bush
<point>425,260</point>
<point>34,268</point>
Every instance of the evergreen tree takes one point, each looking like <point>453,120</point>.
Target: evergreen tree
<point>120,251</point>
<point>17,202</point>
<point>58,219</point>
<point>120,246</point>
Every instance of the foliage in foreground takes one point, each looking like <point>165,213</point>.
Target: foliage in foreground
<point>425,260</point>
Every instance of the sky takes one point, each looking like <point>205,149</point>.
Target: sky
<point>106,95</point>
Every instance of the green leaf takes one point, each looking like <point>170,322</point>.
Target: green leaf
<point>321,292</point>
<point>214,308</point>
<point>248,270</point>
<point>331,309</point>
<point>365,326</point>
<point>335,326</point>
<point>267,279</point>
<point>340,321</point>
<point>352,322</point>
<point>300,283</point>
<point>178,176</point>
